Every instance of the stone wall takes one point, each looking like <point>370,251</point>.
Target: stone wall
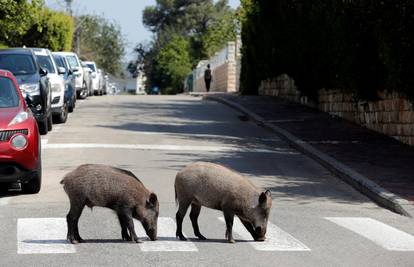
<point>224,68</point>
<point>392,114</point>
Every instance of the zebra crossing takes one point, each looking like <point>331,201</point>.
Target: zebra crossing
<point>48,236</point>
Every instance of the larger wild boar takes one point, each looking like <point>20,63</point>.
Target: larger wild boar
<point>217,187</point>
<point>117,189</point>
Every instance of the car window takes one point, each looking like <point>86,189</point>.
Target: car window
<point>8,93</point>
<point>92,67</point>
<point>17,64</point>
<point>72,62</point>
<point>46,63</point>
<point>59,61</point>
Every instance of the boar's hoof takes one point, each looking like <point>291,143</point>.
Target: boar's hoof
<point>231,241</point>
<point>75,241</point>
<point>201,237</point>
<point>182,238</point>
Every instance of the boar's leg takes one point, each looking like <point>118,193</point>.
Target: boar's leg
<point>124,231</point>
<point>195,212</point>
<point>72,220</point>
<point>229,217</point>
<point>126,217</point>
<point>182,210</point>
<point>249,228</point>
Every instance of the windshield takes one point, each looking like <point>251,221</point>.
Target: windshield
<point>92,67</point>
<point>72,62</point>
<point>8,93</point>
<point>17,64</point>
<point>46,63</point>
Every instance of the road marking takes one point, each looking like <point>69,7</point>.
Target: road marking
<point>44,142</point>
<point>169,147</point>
<point>166,238</point>
<point>42,236</point>
<point>276,238</point>
<point>381,234</point>
<point>4,201</point>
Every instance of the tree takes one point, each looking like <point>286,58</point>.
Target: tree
<point>101,41</point>
<point>16,18</point>
<point>204,26</point>
<point>174,61</point>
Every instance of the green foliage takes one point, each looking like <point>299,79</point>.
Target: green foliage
<point>356,45</point>
<point>101,41</point>
<point>204,26</point>
<point>53,30</point>
<point>31,24</point>
<point>173,61</point>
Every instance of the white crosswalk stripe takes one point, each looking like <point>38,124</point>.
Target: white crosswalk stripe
<point>166,238</point>
<point>48,236</point>
<point>276,238</point>
<point>42,236</point>
<point>383,235</point>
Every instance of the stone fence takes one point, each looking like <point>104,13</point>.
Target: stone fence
<point>392,114</point>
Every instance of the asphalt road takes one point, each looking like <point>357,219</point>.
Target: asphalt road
<point>316,220</point>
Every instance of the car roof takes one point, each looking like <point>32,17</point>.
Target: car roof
<point>89,62</point>
<point>64,53</point>
<point>17,50</point>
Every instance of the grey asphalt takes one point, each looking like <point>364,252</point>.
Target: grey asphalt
<point>304,192</point>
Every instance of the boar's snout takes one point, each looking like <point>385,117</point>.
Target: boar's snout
<point>260,234</point>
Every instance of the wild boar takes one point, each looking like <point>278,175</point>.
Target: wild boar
<point>114,188</point>
<point>217,187</point>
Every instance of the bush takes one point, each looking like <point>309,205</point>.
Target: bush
<point>358,45</point>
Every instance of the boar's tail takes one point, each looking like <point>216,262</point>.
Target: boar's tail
<point>176,199</point>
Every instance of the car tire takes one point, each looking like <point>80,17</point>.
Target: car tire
<point>43,128</point>
<point>63,116</point>
<point>35,183</point>
<point>50,123</point>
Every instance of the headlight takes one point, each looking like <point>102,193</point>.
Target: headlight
<point>19,141</point>
<point>30,88</point>
<point>56,88</point>
<point>20,117</point>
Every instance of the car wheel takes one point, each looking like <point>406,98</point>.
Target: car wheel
<point>50,123</point>
<point>63,116</point>
<point>43,128</point>
<point>35,183</point>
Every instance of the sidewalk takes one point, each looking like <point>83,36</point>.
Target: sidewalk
<point>378,166</point>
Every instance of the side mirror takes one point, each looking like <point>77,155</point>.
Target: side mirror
<point>70,72</point>
<point>43,72</point>
<point>61,70</point>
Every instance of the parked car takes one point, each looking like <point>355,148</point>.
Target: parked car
<point>106,89</point>
<point>20,160</point>
<point>76,67</point>
<point>60,105</point>
<point>70,91</point>
<point>33,83</point>
<point>87,76</point>
<point>95,77</point>
<point>101,81</point>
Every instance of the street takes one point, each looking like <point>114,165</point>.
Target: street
<point>316,219</point>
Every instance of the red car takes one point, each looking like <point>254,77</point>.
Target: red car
<point>20,160</point>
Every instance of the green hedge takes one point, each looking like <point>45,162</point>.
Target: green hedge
<point>359,45</point>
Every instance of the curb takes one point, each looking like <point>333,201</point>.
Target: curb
<point>379,195</point>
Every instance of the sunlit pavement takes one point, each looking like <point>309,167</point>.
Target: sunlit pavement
<point>316,219</point>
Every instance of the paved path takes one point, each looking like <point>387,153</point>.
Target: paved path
<point>381,159</point>
<point>316,219</point>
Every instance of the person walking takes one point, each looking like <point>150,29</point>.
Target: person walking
<point>208,78</point>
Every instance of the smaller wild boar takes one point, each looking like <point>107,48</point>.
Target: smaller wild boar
<point>217,187</point>
<point>114,188</point>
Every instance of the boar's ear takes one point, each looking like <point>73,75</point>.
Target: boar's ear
<point>263,197</point>
<point>152,200</point>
